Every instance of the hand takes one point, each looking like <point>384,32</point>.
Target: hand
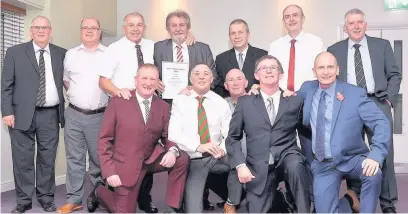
<point>254,90</point>
<point>124,93</point>
<point>9,121</point>
<point>186,90</point>
<point>169,159</point>
<point>289,93</point>
<point>161,87</point>
<point>211,148</point>
<point>389,103</point>
<point>114,181</point>
<point>370,167</point>
<point>244,174</point>
<point>190,40</point>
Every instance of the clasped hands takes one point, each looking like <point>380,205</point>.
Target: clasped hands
<point>211,148</point>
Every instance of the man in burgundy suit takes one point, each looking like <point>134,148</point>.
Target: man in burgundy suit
<point>128,147</point>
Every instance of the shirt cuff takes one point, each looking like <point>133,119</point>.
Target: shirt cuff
<point>175,149</point>
<point>242,164</point>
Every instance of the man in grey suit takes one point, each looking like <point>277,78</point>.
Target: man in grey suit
<point>269,121</point>
<point>176,50</point>
<point>32,106</point>
<point>369,62</point>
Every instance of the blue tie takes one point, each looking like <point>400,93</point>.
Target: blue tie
<point>320,128</point>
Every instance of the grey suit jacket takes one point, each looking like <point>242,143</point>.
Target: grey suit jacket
<point>387,75</point>
<point>20,81</point>
<point>262,137</point>
<point>198,53</point>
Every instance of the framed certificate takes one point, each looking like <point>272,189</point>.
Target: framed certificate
<point>174,78</point>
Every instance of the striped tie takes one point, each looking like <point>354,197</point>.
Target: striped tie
<point>203,129</point>
<point>179,54</point>
<point>359,69</point>
<point>41,88</point>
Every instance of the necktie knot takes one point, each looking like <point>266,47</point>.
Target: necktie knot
<point>137,46</point>
<point>178,47</point>
<point>292,42</point>
<point>42,51</point>
<point>356,46</point>
<point>323,95</point>
<point>146,102</point>
<point>200,99</point>
<point>270,101</point>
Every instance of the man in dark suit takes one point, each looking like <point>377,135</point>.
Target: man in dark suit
<point>241,56</point>
<point>32,106</point>
<point>128,148</point>
<point>380,77</point>
<point>269,121</point>
<point>336,113</point>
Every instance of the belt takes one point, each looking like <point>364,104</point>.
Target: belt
<point>324,160</point>
<point>370,95</point>
<point>46,107</point>
<point>88,112</point>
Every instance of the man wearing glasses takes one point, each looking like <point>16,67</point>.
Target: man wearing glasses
<point>32,106</point>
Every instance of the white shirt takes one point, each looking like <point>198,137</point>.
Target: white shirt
<point>184,51</point>
<point>365,57</point>
<point>51,92</point>
<point>120,61</point>
<point>81,71</point>
<point>307,47</point>
<point>140,100</point>
<point>244,53</point>
<point>183,126</point>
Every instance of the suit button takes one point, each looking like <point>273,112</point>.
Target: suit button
<point>267,162</point>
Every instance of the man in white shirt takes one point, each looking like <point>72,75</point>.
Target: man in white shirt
<point>83,117</point>
<point>199,124</point>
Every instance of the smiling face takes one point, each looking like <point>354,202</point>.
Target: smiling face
<point>235,82</point>
<point>40,30</point>
<point>178,29</point>
<point>355,26</point>
<point>268,72</point>
<point>134,28</point>
<point>239,35</point>
<point>326,69</point>
<point>293,18</point>
<point>201,78</point>
<point>147,80</point>
<point>90,31</point>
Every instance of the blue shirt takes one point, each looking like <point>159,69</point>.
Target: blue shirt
<point>330,95</point>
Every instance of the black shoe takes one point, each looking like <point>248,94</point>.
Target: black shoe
<point>148,207</point>
<point>22,208</point>
<point>48,207</point>
<point>207,205</point>
<point>389,210</point>
<point>92,201</point>
<point>173,210</point>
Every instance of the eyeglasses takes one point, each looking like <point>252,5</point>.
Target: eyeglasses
<point>266,68</point>
<point>90,28</point>
<point>38,28</point>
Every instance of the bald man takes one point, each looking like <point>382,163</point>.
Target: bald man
<point>32,106</point>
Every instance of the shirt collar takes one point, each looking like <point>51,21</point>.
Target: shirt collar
<point>329,91</point>
<point>244,52</point>
<point>130,43</point>
<point>140,99</point>
<point>99,48</point>
<point>363,42</point>
<point>183,45</point>
<point>207,95</point>
<point>37,48</point>
<point>299,38</point>
<point>274,96</point>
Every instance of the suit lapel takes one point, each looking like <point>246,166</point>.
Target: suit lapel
<point>336,105</point>
<point>191,56</point>
<point>31,55</point>
<point>373,57</point>
<point>168,52</point>
<point>248,61</point>
<point>283,106</point>
<point>154,107</point>
<point>138,111</point>
<point>233,59</point>
<point>54,60</point>
<point>343,63</point>
<point>308,104</point>
<point>260,106</point>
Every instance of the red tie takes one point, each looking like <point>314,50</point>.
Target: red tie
<point>291,71</point>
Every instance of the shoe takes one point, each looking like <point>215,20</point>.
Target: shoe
<point>22,208</point>
<point>92,201</point>
<point>172,210</point>
<point>389,210</point>
<point>48,207</point>
<point>207,205</point>
<point>352,198</point>
<point>229,208</point>
<point>148,207</point>
<point>69,208</point>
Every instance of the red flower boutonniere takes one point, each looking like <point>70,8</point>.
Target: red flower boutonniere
<point>340,96</point>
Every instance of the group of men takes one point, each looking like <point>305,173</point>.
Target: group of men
<point>117,116</point>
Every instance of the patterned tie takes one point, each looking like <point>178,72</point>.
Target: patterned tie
<point>358,65</point>
<point>203,129</point>
<point>147,109</point>
<point>240,61</point>
<point>271,114</point>
<point>320,128</point>
<point>41,88</point>
<point>291,70</point>
<point>139,55</point>
<point>179,54</point>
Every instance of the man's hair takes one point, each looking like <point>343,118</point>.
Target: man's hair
<point>353,12</point>
<point>243,74</point>
<point>147,66</point>
<point>292,5</point>
<point>42,17</point>
<point>82,21</point>
<point>179,14</point>
<point>133,14</point>
<point>280,68</point>
<point>240,21</point>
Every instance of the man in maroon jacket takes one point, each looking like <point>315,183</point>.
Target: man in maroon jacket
<point>128,147</point>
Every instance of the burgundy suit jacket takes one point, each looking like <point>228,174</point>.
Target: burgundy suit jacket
<point>125,142</point>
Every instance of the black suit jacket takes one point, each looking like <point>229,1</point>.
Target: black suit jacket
<point>20,81</point>
<point>387,75</point>
<point>262,137</point>
<point>227,60</point>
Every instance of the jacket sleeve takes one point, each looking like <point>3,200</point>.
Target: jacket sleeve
<point>106,140</point>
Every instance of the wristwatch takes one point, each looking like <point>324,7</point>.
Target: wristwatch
<point>175,151</point>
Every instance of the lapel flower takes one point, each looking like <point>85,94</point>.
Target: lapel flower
<point>340,96</point>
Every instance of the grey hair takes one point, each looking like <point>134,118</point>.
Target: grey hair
<point>353,11</point>
<point>133,14</point>
<point>292,5</point>
<point>82,21</point>
<point>240,21</point>
<point>43,17</point>
<point>179,14</point>
<point>280,68</point>
<point>243,74</point>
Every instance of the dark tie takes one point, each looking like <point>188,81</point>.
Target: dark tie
<point>139,55</point>
<point>358,65</point>
<point>291,70</point>
<point>320,128</point>
<point>203,129</point>
<point>41,88</point>
<point>147,109</point>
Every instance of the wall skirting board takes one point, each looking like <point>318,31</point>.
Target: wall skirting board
<point>9,185</point>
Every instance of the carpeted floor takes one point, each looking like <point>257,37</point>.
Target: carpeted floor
<point>8,198</point>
